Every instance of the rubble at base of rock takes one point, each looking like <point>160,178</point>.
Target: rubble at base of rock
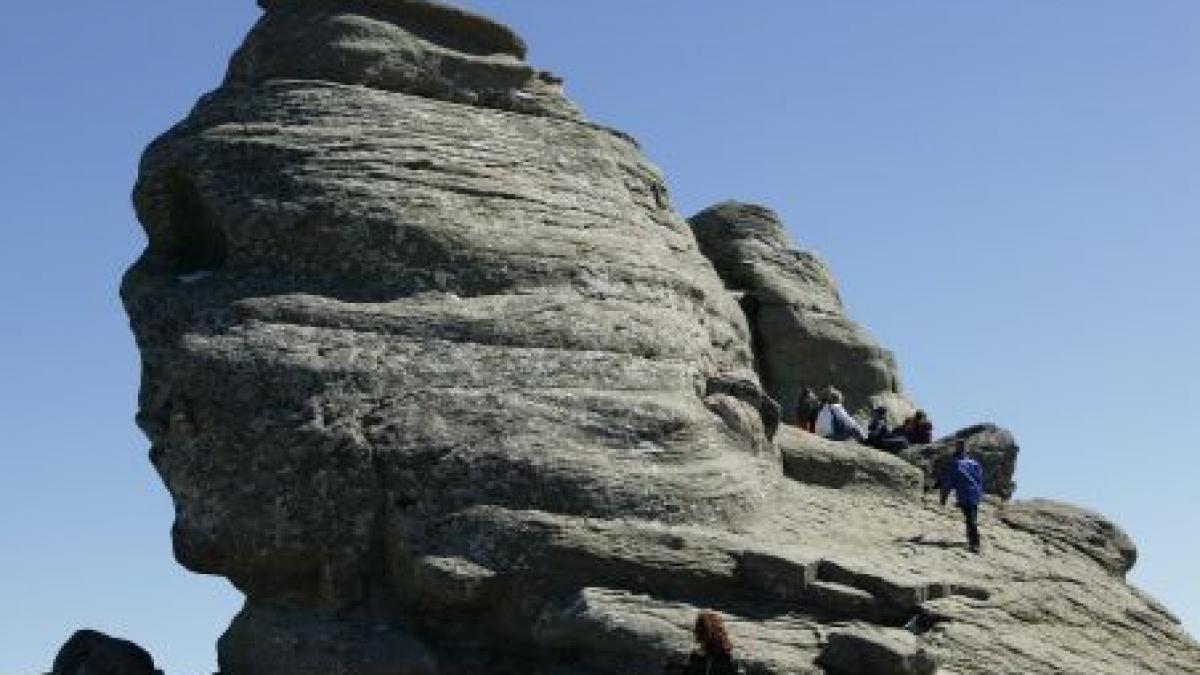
<point>436,376</point>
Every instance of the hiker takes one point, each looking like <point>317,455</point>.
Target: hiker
<point>918,430</point>
<point>807,410</point>
<point>881,436</point>
<point>964,476</point>
<point>714,655</point>
<point>834,423</point>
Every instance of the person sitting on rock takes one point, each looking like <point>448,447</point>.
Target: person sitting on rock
<point>918,430</point>
<point>807,410</point>
<point>714,655</point>
<point>834,423</point>
<point>964,476</point>
<point>881,436</point>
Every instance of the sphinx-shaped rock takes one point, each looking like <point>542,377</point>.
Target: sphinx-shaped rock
<point>802,336</point>
<point>366,307</point>
<point>437,377</point>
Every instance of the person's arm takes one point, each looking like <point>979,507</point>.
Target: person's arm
<point>850,423</point>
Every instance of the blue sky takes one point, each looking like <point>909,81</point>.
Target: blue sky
<point>1009,193</point>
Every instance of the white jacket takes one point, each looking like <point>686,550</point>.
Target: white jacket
<point>849,426</point>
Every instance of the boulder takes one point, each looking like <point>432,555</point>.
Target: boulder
<point>802,335</point>
<point>994,448</point>
<point>1086,531</point>
<point>90,652</point>
<point>875,651</point>
<point>410,46</point>
<point>813,460</point>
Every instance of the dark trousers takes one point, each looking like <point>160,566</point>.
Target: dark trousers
<point>971,516</point>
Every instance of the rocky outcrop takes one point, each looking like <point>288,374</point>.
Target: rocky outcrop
<point>1065,525</point>
<point>802,336</point>
<point>993,447</point>
<point>90,652</point>
<point>366,311</point>
<point>407,46</point>
<point>810,459</point>
<point>443,384</point>
<point>874,651</point>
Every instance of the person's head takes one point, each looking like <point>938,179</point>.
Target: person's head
<point>879,412</point>
<point>960,448</point>
<point>710,633</point>
<point>832,395</point>
<point>920,417</point>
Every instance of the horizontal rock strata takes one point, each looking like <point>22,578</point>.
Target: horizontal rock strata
<point>436,376</point>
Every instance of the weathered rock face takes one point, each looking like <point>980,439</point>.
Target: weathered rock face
<point>436,375</point>
<point>813,460</point>
<point>802,336</point>
<point>366,313</point>
<point>1065,525</point>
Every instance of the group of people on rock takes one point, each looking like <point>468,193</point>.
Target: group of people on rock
<point>713,654</point>
<point>826,416</point>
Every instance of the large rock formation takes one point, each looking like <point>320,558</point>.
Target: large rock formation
<point>438,378</point>
<point>802,336</point>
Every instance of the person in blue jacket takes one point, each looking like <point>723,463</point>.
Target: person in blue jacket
<point>964,476</point>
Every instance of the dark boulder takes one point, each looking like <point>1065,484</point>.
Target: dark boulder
<point>90,652</point>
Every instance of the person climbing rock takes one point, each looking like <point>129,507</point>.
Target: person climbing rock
<point>881,436</point>
<point>807,409</point>
<point>834,423</point>
<point>918,430</point>
<point>964,476</point>
<point>714,653</point>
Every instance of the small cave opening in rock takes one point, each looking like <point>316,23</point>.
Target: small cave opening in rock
<point>196,243</point>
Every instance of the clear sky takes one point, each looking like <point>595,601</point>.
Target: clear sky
<point>1008,192</point>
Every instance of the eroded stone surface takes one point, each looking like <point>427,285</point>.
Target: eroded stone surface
<point>808,458</point>
<point>802,335</point>
<point>445,385</point>
<point>1087,531</point>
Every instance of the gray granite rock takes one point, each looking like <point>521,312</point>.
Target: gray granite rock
<point>410,46</point>
<point>875,651</point>
<point>1086,531</point>
<point>443,383</point>
<point>802,335</point>
<point>810,459</point>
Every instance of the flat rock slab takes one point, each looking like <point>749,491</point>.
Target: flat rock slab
<point>810,459</point>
